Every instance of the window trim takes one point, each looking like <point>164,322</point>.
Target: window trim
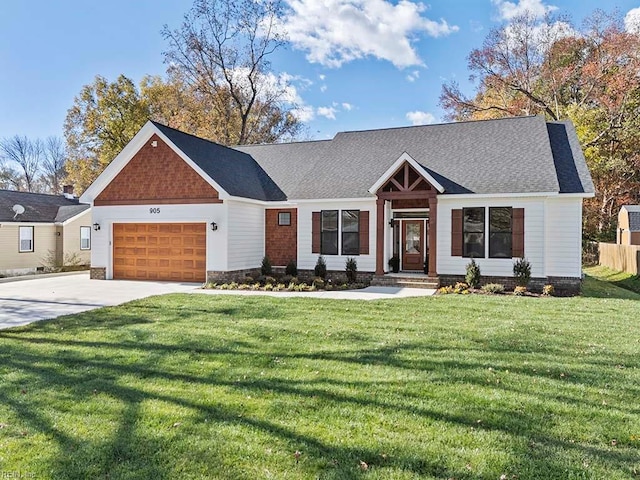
<point>322,232</point>
<point>89,229</point>
<point>357,232</point>
<point>484,232</point>
<point>282,223</point>
<point>510,233</point>
<point>33,246</point>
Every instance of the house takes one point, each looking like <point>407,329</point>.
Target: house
<point>172,206</point>
<point>39,231</point>
<point>629,225</point>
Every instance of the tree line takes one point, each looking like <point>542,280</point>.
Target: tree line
<point>588,75</point>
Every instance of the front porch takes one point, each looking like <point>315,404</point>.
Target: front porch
<point>407,202</point>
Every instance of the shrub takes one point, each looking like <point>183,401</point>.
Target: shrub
<point>248,279</point>
<point>320,270</point>
<point>493,288</point>
<point>473,274</point>
<point>244,286</point>
<point>318,282</point>
<point>548,290</point>
<point>291,269</point>
<point>291,287</point>
<point>522,272</point>
<point>266,268</point>
<point>394,264</point>
<point>268,287</point>
<point>286,279</point>
<point>279,287</point>
<point>519,291</point>
<point>351,269</point>
<point>269,279</point>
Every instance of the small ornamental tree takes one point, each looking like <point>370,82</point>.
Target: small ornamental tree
<point>351,269</point>
<point>291,269</point>
<point>472,277</point>
<point>320,269</point>
<point>265,268</point>
<point>522,272</point>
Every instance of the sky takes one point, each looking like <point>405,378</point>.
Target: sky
<point>352,64</point>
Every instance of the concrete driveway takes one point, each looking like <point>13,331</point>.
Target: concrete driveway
<point>24,301</point>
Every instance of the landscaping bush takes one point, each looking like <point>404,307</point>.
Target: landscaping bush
<point>320,270</point>
<point>351,269</point>
<point>522,272</point>
<point>394,264</point>
<point>269,279</point>
<point>266,268</point>
<point>286,279</point>
<point>548,290</point>
<point>472,276</point>
<point>291,269</point>
<point>493,288</point>
<point>318,282</point>
<point>248,279</point>
<point>519,291</point>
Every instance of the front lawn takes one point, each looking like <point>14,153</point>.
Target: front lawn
<point>199,386</point>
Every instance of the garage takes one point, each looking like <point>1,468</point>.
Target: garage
<point>159,251</point>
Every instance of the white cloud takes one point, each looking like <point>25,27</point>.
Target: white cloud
<point>632,21</point>
<point>323,88</point>
<point>347,106</point>
<point>508,10</point>
<point>413,76</point>
<point>322,77</point>
<point>327,112</point>
<point>420,118</point>
<point>333,32</point>
<point>304,113</point>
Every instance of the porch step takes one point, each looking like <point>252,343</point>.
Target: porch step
<point>405,281</point>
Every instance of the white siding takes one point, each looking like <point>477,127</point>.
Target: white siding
<point>101,241</point>
<point>71,238</point>
<point>246,235</point>
<point>14,262</point>
<point>307,260</point>
<point>563,234</point>
<point>534,236</point>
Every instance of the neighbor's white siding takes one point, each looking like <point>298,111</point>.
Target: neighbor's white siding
<point>246,235</point>
<point>534,236</point>
<point>71,239</point>
<point>14,262</point>
<point>101,241</point>
<point>563,233</point>
<point>307,260</point>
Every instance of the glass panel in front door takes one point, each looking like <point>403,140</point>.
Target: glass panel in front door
<point>412,237</point>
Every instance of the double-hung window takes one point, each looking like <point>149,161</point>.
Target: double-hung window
<point>500,232</point>
<point>26,239</point>
<point>350,232</point>
<point>473,232</point>
<point>85,238</point>
<point>329,235</point>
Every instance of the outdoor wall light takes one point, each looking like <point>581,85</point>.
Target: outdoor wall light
<point>214,226</point>
<point>96,226</point>
<point>391,223</point>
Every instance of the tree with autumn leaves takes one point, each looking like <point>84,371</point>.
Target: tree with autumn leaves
<point>589,76</point>
<point>219,86</point>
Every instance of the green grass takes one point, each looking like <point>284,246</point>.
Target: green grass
<point>199,386</point>
<point>620,279</point>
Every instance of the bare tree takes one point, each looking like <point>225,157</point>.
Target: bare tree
<point>53,164</point>
<point>223,49</point>
<point>9,178</point>
<point>27,154</point>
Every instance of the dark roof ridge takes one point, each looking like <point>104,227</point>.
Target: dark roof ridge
<point>54,195</point>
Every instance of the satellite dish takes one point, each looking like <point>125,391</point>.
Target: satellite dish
<point>18,209</point>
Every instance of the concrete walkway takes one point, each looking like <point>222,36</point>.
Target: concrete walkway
<point>369,293</point>
<point>41,297</point>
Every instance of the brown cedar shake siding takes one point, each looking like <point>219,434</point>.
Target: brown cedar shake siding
<point>281,241</point>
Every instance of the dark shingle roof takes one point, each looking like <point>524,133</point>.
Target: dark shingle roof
<point>511,155</point>
<point>39,208</point>
<point>634,221</point>
<point>236,172</point>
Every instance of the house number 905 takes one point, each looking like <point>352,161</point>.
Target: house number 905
<point>154,210</point>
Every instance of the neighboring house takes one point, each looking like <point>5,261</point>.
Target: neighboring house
<point>629,225</point>
<point>39,231</point>
<point>172,206</point>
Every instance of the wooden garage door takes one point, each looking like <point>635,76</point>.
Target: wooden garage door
<point>159,251</point>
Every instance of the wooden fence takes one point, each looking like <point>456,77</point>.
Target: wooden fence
<point>623,258</point>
